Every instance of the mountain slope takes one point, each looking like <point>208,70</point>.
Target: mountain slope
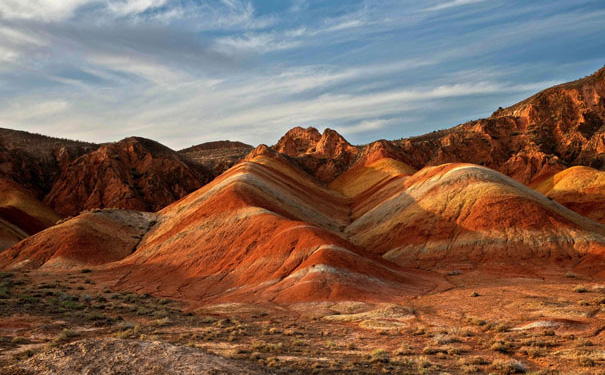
<point>91,238</point>
<point>21,214</point>
<point>262,231</point>
<point>35,161</point>
<point>265,231</point>
<point>581,189</point>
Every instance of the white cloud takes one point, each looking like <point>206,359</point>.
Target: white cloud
<point>259,43</point>
<point>128,7</point>
<point>45,10</point>
<point>31,111</point>
<point>368,125</point>
<point>159,74</point>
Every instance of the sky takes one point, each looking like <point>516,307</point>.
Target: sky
<point>183,72</point>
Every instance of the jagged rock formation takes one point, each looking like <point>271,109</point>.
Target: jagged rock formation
<point>35,161</point>
<point>135,173</point>
<point>323,156</point>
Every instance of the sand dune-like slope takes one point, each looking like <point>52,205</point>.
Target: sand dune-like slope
<point>92,238</point>
<point>263,231</point>
<point>21,214</point>
<point>471,215</point>
<point>581,189</point>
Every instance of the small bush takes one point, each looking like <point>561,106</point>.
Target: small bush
<point>500,346</point>
<point>509,367</point>
<point>380,355</point>
<point>65,336</point>
<point>585,361</point>
<point>580,289</point>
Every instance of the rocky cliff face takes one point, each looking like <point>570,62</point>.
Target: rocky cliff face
<point>135,173</point>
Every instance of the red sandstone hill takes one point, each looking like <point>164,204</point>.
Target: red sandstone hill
<point>134,173</point>
<point>581,189</point>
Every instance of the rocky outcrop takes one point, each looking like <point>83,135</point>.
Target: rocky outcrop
<point>135,173</point>
<point>323,156</point>
<point>35,161</point>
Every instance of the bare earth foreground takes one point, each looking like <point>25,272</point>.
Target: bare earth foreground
<point>70,323</point>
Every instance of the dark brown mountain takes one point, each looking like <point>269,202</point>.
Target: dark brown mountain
<point>217,156</point>
<point>35,161</point>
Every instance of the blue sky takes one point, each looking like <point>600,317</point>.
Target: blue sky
<point>189,71</point>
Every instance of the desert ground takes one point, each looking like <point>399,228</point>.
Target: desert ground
<point>74,322</point>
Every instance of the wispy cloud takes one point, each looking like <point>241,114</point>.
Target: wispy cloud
<point>453,3</point>
<point>189,71</point>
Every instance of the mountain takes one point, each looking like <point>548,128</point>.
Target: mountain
<point>35,161</point>
<point>92,238</point>
<point>217,156</point>
<point>316,218</point>
<point>265,231</point>
<point>134,173</point>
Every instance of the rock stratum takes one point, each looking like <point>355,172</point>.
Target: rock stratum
<point>266,231</point>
